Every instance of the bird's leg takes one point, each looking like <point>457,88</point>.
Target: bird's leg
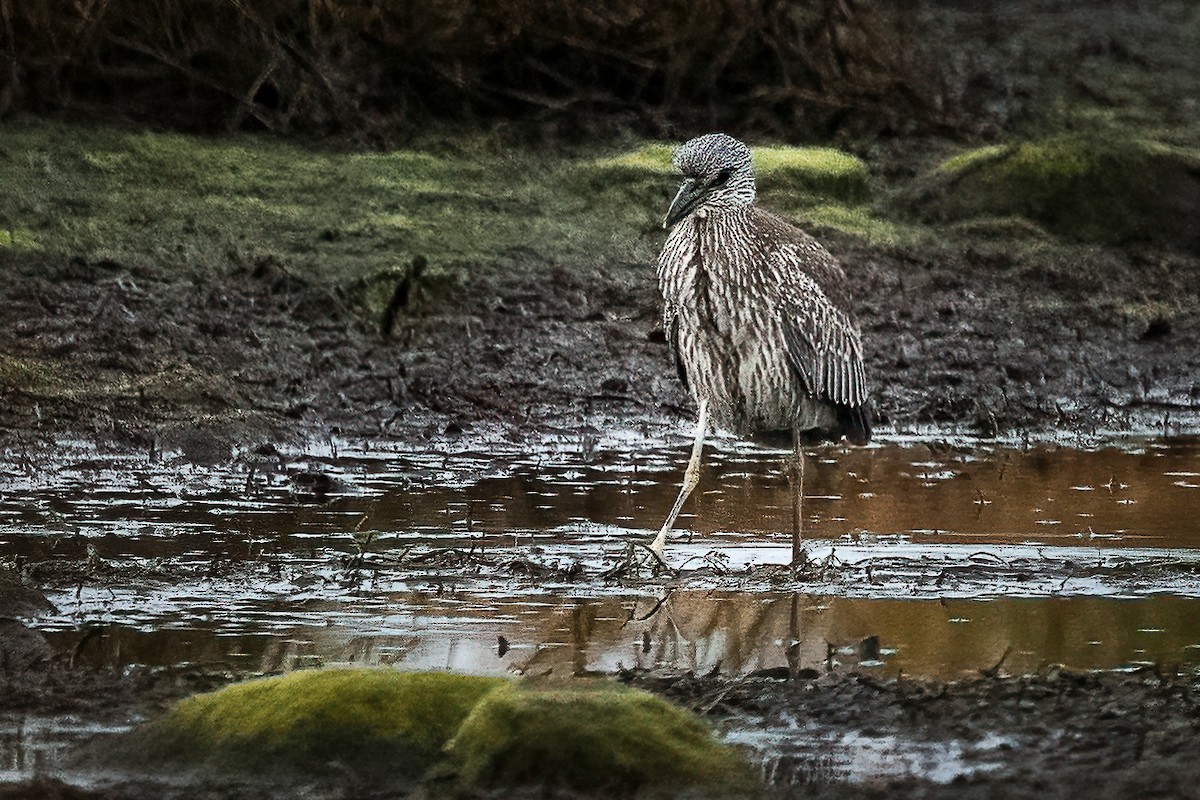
<point>796,478</point>
<point>690,478</point>
<point>793,647</point>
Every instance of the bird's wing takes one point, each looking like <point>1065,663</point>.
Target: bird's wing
<point>673,269</point>
<point>824,345</point>
<point>671,329</point>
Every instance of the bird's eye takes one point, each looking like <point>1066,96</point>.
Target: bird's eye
<point>723,176</point>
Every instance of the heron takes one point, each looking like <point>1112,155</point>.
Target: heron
<point>758,318</point>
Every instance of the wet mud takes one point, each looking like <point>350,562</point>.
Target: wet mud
<point>1055,733</point>
<point>987,340</point>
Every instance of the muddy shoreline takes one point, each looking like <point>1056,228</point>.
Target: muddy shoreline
<point>1038,341</point>
<point>1041,735</point>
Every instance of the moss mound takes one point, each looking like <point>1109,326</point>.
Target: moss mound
<point>375,722</point>
<point>1091,186</point>
<point>809,173</point>
<point>817,172</point>
<point>603,742</point>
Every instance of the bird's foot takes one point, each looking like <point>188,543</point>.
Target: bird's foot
<point>813,568</point>
<point>800,560</point>
<point>639,559</point>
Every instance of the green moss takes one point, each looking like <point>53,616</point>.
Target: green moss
<point>648,160</point>
<point>637,184</point>
<point>1009,228</point>
<point>812,173</point>
<point>1094,185</point>
<point>401,727</point>
<point>372,721</point>
<point>476,209</point>
<point>859,221</point>
<point>606,742</point>
<point>971,159</point>
<point>819,172</point>
<point>215,204</point>
<point>19,239</point>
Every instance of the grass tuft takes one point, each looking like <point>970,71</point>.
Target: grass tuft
<point>810,173</point>
<point>19,239</point>
<point>820,173</point>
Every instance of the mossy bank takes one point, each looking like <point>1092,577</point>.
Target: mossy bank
<point>457,734</point>
<point>1092,185</point>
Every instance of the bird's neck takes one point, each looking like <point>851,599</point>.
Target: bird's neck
<point>722,217</point>
<point>723,212</point>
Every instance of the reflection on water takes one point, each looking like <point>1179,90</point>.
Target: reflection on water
<point>855,757</point>
<point>1145,496</point>
<point>257,577</point>
<point>732,633</point>
<point>202,570</point>
<point>31,745</point>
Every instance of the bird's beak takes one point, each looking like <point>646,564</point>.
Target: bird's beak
<point>685,200</point>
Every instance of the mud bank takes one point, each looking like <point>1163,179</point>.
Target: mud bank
<point>204,296</point>
<point>980,338</point>
<point>1044,735</point>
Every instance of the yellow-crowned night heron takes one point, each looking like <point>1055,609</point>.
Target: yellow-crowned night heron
<point>757,314</point>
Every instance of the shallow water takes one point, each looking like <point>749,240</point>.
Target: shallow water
<point>939,561</point>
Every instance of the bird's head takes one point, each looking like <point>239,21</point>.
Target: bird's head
<point>718,175</point>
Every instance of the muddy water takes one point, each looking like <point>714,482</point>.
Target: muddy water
<point>932,494</point>
<point>936,561</point>
<point>1050,553</point>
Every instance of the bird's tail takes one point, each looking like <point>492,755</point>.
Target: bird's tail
<point>855,423</point>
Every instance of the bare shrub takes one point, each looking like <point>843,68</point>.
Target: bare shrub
<point>380,66</point>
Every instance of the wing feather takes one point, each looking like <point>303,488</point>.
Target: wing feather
<point>671,326</point>
<point>824,346</point>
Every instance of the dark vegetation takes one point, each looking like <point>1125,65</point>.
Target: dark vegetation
<point>376,71</point>
<point>372,68</point>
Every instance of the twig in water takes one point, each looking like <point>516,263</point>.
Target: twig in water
<point>986,554</point>
<point>623,566</point>
<point>652,611</point>
<point>994,670</point>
